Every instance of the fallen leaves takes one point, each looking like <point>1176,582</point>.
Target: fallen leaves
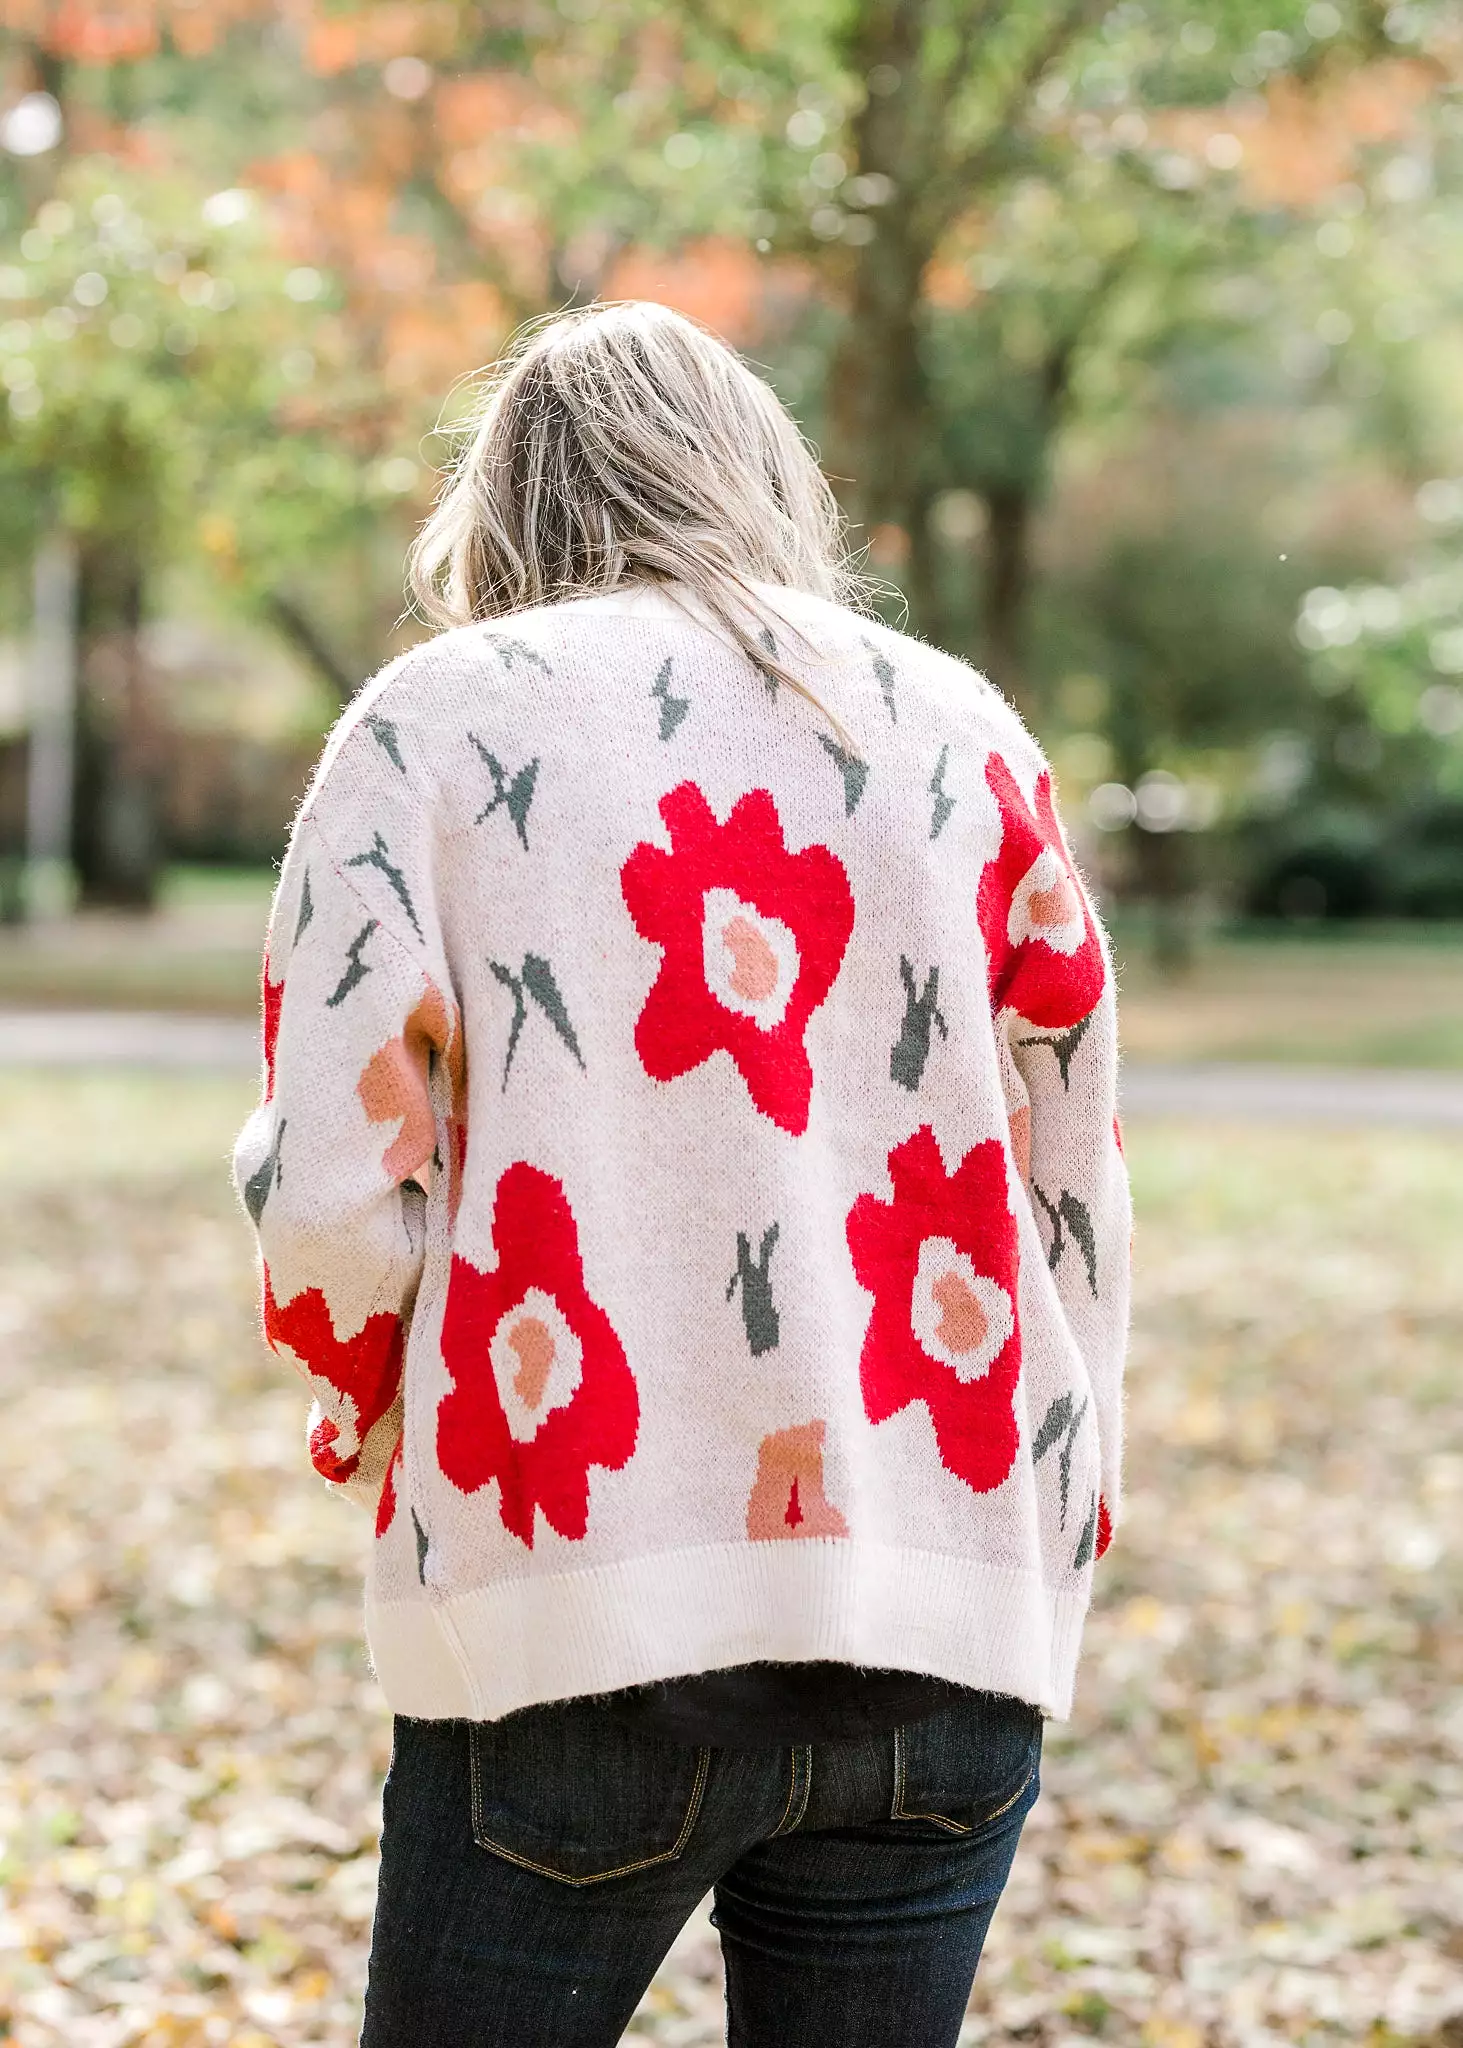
<point>1250,1832</point>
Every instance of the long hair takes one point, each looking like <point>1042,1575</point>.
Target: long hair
<point>622,444</point>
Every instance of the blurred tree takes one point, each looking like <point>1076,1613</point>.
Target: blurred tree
<point>1032,186</point>
<point>971,233</point>
<point>160,377</point>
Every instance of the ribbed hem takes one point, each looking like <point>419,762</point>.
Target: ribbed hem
<point>526,1640</point>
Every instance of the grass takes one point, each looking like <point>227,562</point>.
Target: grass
<point>117,1130</point>
<point>188,887</point>
<point>199,952</point>
<point>1390,998</point>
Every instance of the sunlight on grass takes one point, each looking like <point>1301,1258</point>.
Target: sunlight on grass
<point>117,1127</point>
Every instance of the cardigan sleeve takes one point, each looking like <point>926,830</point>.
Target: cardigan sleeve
<point>1079,1190</point>
<point>362,1079</point>
<point>1053,992</point>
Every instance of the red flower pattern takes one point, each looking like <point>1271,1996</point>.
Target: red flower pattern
<point>363,1370</point>
<point>1104,1527</point>
<point>941,1263</point>
<point>273,992</point>
<point>386,1505</point>
<point>1044,954</point>
<point>754,937</point>
<point>541,1387</point>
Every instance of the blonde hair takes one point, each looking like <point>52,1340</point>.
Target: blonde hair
<point>622,444</point>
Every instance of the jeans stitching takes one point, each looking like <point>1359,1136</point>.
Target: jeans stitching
<point>792,1788</point>
<point>898,1810</point>
<point>807,1788</point>
<point>791,1821</point>
<point>483,1840</point>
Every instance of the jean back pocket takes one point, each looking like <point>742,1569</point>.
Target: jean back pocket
<point>572,1793</point>
<point>960,1771</point>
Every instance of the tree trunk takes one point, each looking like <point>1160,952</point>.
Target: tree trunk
<point>118,839</point>
<point>51,759</point>
<point>879,404</point>
<point>878,397</point>
<point>1007,588</point>
<point>928,609</point>
<point>1164,875</point>
<point>299,629</point>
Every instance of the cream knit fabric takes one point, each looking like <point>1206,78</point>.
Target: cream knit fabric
<point>687,1172</point>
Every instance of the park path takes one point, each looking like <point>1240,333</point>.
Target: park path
<point>1233,1093</point>
<point>126,1038</point>
<point>1241,1093</point>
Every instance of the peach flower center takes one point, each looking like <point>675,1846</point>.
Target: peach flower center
<point>963,1322</point>
<point>749,959</point>
<point>961,1318</point>
<point>533,1341</point>
<point>754,969</point>
<point>1053,906</point>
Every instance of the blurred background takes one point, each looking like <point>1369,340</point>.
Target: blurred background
<point>1133,337</point>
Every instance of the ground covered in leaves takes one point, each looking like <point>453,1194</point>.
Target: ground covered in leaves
<point>1251,1832</point>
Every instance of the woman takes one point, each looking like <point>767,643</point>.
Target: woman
<point>687,1178</point>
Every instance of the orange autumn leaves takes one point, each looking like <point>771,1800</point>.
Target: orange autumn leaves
<point>126,30</point>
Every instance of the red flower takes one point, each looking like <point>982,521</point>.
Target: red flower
<point>273,1005</point>
<point>542,1388</point>
<point>1044,954</point>
<point>754,937</point>
<point>940,1261</point>
<point>363,1372</point>
<point>386,1505</point>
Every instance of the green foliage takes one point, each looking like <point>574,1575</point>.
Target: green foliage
<point>174,384</point>
<point>1190,628</point>
<point>1052,204</point>
<point>1374,822</point>
<point>1384,658</point>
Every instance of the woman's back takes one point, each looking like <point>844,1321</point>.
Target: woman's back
<point>766,1291</point>
<point>687,1177</point>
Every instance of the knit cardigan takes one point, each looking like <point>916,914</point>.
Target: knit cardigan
<point>687,1173</point>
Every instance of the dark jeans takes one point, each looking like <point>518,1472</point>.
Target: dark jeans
<point>535,1871</point>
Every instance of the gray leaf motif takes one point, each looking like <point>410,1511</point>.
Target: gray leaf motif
<point>1087,1542</point>
<point>378,855</point>
<point>885,675</point>
<point>536,980</point>
<point>1053,1424</point>
<point>1062,1045</point>
<point>944,804</point>
<point>265,1177</point>
<point>767,640</point>
<point>855,772</point>
<point>514,794</point>
<point>672,709</point>
<point>1071,1222</point>
<point>510,652</point>
<point>383,732</point>
<point>1060,1425</point>
<point>356,969</point>
<point>306,911</point>
<point>921,1012</point>
<point>759,1312</point>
